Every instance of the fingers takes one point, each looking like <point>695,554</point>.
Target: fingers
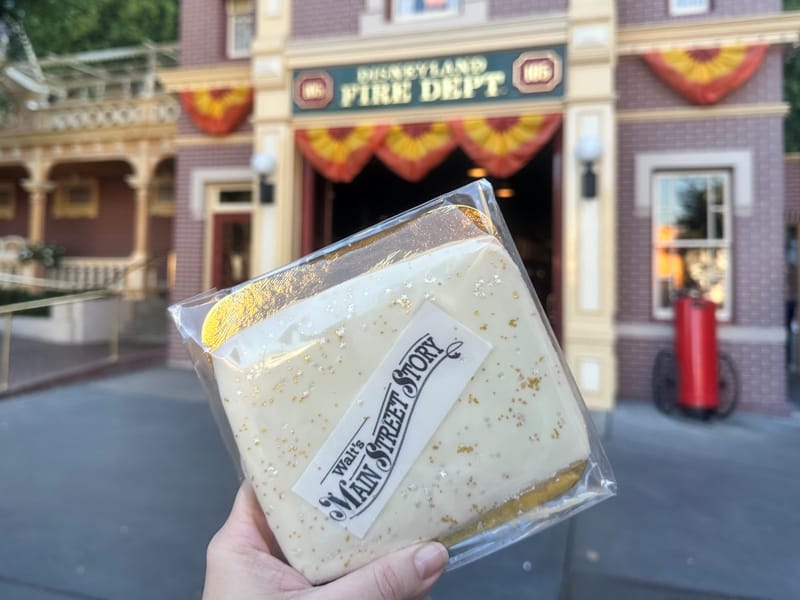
<point>402,575</point>
<point>248,523</point>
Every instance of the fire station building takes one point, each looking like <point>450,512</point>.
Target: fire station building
<point>636,148</point>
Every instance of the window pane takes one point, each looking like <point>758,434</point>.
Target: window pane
<point>79,195</point>
<point>691,208</point>
<point>702,270</point>
<point>242,33</point>
<point>717,191</point>
<point>418,7</point>
<point>691,234</point>
<point>706,270</point>
<point>235,196</point>
<point>717,225</point>
<point>664,293</point>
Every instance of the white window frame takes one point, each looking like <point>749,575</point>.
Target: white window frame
<point>239,11</point>
<point>211,189</point>
<point>452,10</point>
<point>64,207</point>
<point>677,8</point>
<point>373,19</point>
<point>724,312</point>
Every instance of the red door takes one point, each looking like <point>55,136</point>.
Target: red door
<point>230,263</point>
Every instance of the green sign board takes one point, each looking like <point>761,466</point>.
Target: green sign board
<point>463,79</point>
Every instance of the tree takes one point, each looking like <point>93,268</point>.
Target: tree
<point>69,26</point>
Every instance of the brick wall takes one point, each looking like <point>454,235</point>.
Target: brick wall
<point>630,12</point>
<point>203,33</point>
<point>757,392</point>
<point>757,239</point>
<point>322,18</point>
<point>639,88</point>
<point>757,242</point>
<point>188,236</point>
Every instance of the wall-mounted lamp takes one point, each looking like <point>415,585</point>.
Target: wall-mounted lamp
<point>264,164</point>
<point>588,150</point>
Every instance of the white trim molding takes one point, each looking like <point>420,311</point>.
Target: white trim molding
<point>739,334</point>
<point>740,162</point>
<point>201,178</point>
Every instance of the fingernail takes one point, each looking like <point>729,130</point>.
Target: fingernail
<point>430,559</point>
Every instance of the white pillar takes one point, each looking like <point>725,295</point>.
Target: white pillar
<point>590,274</point>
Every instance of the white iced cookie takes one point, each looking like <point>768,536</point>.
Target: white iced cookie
<point>423,400</point>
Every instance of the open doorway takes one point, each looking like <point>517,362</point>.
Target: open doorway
<point>533,212</point>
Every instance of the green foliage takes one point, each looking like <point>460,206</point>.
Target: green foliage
<point>47,255</point>
<point>68,26</point>
<point>16,295</point>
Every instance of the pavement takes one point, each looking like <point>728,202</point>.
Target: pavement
<point>36,364</point>
<point>111,488</point>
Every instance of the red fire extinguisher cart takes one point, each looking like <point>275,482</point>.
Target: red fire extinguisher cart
<point>697,355</point>
<point>695,376</point>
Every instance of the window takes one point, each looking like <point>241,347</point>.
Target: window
<point>162,196</point>
<point>7,200</point>
<point>410,9</point>
<point>241,26</point>
<point>679,8</point>
<point>691,238</point>
<point>236,196</point>
<point>76,198</point>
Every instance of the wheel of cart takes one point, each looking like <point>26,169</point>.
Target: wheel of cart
<point>665,383</point>
<point>728,386</point>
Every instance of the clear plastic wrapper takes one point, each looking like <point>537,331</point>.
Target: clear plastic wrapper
<point>400,385</point>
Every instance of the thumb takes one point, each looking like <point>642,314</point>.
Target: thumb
<point>407,573</point>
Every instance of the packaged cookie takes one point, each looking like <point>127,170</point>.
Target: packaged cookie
<point>401,385</point>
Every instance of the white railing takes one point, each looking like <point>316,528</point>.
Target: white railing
<point>79,273</point>
<point>91,273</point>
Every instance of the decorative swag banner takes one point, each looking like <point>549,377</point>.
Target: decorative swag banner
<point>500,145</point>
<point>411,151</point>
<point>705,75</point>
<point>340,153</point>
<point>503,145</point>
<point>220,110</point>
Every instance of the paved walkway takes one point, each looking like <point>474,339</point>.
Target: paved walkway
<point>36,364</point>
<point>112,488</point>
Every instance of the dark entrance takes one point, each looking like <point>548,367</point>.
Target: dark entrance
<point>533,213</point>
<point>231,249</point>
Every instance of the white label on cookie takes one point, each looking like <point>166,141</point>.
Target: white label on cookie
<point>392,419</point>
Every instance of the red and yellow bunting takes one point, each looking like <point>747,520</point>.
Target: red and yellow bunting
<point>705,75</point>
<point>503,145</point>
<point>340,153</point>
<point>218,111</point>
<point>411,151</point>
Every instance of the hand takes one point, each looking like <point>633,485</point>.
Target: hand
<point>244,561</point>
